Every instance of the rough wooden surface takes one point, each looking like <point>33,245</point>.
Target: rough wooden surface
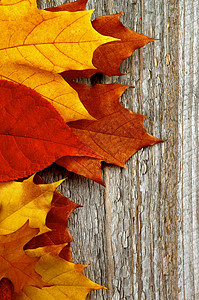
<point>140,235</point>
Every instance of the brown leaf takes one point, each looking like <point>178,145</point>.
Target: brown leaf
<point>117,134</point>
<point>56,220</point>
<point>108,58</point>
<point>90,168</point>
<point>49,238</point>
<point>14,263</point>
<point>60,212</point>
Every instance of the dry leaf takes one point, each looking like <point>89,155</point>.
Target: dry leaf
<point>50,41</point>
<point>14,263</point>
<point>32,134</point>
<point>56,220</point>
<point>20,201</point>
<point>50,238</point>
<point>61,209</point>
<point>85,166</point>
<point>50,86</point>
<point>36,43</point>
<point>107,58</point>
<point>67,280</point>
<point>116,134</point>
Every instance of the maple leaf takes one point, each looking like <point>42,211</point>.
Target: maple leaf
<point>90,168</point>
<point>56,220</point>
<point>46,40</point>
<point>48,43</point>
<point>116,134</point>
<point>20,201</point>
<point>66,279</point>
<point>28,142</point>
<point>14,263</point>
<point>107,58</point>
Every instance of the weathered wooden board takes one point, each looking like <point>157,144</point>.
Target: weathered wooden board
<point>140,235</point>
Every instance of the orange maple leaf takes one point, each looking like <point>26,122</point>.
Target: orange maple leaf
<point>89,168</point>
<point>14,263</point>
<point>116,134</point>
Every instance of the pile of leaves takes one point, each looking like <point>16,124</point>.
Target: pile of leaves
<point>47,117</point>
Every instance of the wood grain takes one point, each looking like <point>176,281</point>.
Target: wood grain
<point>140,235</point>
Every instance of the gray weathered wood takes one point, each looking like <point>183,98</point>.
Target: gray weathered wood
<point>140,235</point>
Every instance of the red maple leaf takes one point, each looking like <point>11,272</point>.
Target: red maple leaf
<point>32,133</point>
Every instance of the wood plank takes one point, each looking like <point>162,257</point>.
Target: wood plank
<point>140,235</point>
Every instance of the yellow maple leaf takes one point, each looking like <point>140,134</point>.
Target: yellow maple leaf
<point>22,201</point>
<point>52,41</point>
<point>35,42</point>
<point>66,279</point>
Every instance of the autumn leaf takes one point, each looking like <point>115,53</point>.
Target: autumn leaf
<point>66,253</point>
<point>56,220</point>
<point>20,201</point>
<point>69,282</point>
<point>48,43</point>
<point>45,40</point>
<point>108,57</point>
<point>116,134</point>
<point>66,279</point>
<point>50,238</point>
<point>32,133</point>
<point>85,166</point>
<point>50,86</point>
<point>61,209</point>
<point>14,263</point>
